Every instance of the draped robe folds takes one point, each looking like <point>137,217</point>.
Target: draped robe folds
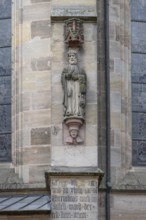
<point>74,98</point>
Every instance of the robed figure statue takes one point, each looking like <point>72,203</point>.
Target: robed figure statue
<point>74,86</point>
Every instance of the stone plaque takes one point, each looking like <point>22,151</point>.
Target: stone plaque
<point>138,68</point>
<point>138,37</point>
<point>139,153</point>
<point>139,126</point>
<point>139,97</point>
<point>40,136</point>
<point>74,197</point>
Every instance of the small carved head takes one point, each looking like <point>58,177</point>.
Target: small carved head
<point>72,57</point>
<point>74,133</point>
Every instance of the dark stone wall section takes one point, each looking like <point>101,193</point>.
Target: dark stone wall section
<point>138,46</point>
<point>5,80</point>
<point>5,9</point>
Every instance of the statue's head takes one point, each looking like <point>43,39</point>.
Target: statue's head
<point>72,57</point>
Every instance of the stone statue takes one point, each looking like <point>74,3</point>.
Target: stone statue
<point>74,86</point>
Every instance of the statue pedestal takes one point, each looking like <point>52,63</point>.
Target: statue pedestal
<point>74,192</point>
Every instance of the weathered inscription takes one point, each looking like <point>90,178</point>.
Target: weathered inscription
<point>74,198</point>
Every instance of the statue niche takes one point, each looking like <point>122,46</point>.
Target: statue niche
<point>74,82</point>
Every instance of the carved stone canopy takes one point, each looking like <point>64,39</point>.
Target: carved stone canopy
<point>73,32</point>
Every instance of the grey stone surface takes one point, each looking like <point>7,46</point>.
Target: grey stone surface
<point>73,11</point>
<point>139,97</point>
<point>5,147</point>
<point>5,61</point>
<point>9,180</point>
<point>40,136</point>
<point>138,68</point>
<point>74,171</point>
<point>138,9</point>
<point>40,29</point>
<point>139,153</point>
<point>5,32</point>
<point>139,126</point>
<point>138,37</point>
<point>5,8</point>
<point>5,118</point>
<point>5,90</point>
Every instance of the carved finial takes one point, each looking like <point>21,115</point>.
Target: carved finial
<point>74,32</point>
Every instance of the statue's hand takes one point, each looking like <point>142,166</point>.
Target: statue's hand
<point>68,76</point>
<point>75,76</point>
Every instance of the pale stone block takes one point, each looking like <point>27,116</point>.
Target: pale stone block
<point>38,81</point>
<point>74,3</point>
<point>115,120</point>
<point>41,100</point>
<point>29,86</point>
<point>40,1</point>
<point>57,93</point>
<point>57,114</point>
<point>115,101</point>
<point>90,52</point>
<point>36,11</point>
<point>41,29</point>
<point>35,48</point>
<point>26,31</point>
<point>90,32</point>
<point>91,95</point>
<point>115,47</point>
<point>91,135</point>
<point>26,101</point>
<point>56,135</point>
<point>37,173</point>
<point>26,2</point>
<point>36,118</point>
<point>36,155</point>
<point>58,32</point>
<point>116,82</point>
<point>25,173</point>
<point>91,114</point>
<point>129,203</point>
<point>115,157</point>
<point>74,156</point>
<point>26,137</point>
<point>115,13</point>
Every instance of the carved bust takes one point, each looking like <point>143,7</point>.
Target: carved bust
<point>74,128</point>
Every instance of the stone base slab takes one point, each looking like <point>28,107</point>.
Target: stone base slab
<point>74,192</point>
